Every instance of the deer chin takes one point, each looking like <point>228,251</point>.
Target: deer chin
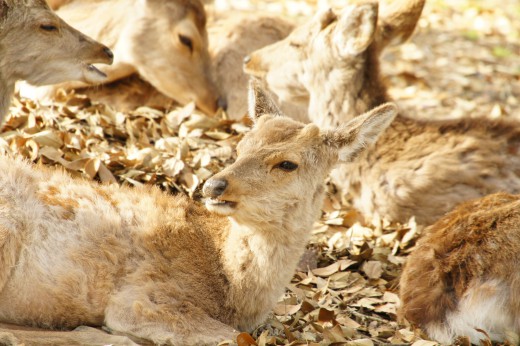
<point>221,207</point>
<point>92,74</point>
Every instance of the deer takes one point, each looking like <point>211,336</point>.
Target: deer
<point>166,268</point>
<point>36,45</point>
<point>164,42</point>
<point>461,279</point>
<point>418,168</point>
<point>231,37</point>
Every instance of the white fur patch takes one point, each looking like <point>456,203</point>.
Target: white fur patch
<point>484,306</point>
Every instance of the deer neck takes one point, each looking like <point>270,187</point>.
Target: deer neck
<point>260,259</point>
<point>347,91</point>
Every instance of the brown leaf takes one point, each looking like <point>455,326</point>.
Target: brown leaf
<point>325,315</point>
<point>244,339</point>
<point>373,269</point>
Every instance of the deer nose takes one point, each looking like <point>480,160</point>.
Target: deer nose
<point>247,59</point>
<point>214,188</point>
<point>222,103</point>
<point>109,53</point>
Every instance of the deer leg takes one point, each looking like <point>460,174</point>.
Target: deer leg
<point>176,323</point>
<point>18,335</point>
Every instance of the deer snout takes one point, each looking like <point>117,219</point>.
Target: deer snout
<point>109,53</point>
<point>222,103</point>
<point>214,188</point>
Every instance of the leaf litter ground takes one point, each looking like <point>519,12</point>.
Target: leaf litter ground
<point>462,61</point>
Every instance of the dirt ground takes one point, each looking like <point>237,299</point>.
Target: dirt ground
<point>462,61</point>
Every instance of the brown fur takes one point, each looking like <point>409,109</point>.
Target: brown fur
<point>29,51</point>
<point>162,267</point>
<point>147,38</point>
<point>471,247</point>
<point>417,168</point>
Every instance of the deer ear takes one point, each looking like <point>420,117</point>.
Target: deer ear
<point>260,102</point>
<point>326,18</point>
<point>397,21</point>
<point>355,29</point>
<point>364,130</point>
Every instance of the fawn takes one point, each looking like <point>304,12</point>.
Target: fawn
<point>417,168</point>
<point>36,45</point>
<point>161,267</point>
<point>164,41</point>
<point>462,278</point>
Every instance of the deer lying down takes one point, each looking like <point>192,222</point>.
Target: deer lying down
<point>37,46</point>
<point>232,36</point>
<point>463,274</point>
<point>421,168</point>
<point>162,267</point>
<point>164,41</point>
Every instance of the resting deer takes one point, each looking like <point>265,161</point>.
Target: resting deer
<point>462,279</point>
<point>231,35</point>
<point>161,267</point>
<point>164,41</point>
<point>417,168</point>
<point>37,46</point>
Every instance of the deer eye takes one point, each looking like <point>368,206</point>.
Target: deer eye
<point>48,27</point>
<point>185,40</point>
<point>287,166</point>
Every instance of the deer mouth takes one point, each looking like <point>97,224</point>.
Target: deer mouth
<point>220,206</point>
<point>92,74</point>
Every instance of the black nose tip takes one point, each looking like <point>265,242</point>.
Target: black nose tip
<point>215,187</point>
<point>247,59</point>
<point>108,52</point>
<point>222,103</point>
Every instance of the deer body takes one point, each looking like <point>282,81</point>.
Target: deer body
<point>417,168</point>
<point>165,42</point>
<point>37,46</point>
<point>162,267</point>
<point>463,274</point>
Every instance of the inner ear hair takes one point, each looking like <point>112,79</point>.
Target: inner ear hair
<point>260,102</point>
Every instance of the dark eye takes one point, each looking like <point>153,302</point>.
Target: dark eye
<point>185,40</point>
<point>287,166</point>
<point>48,27</point>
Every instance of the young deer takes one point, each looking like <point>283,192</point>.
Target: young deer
<point>161,267</point>
<point>165,41</point>
<point>421,168</point>
<point>37,46</point>
<point>462,278</point>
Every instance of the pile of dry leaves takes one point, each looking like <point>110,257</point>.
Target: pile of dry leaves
<point>463,61</point>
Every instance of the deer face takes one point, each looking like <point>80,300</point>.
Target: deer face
<point>328,46</point>
<point>282,163</point>
<point>171,52</point>
<point>46,50</point>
